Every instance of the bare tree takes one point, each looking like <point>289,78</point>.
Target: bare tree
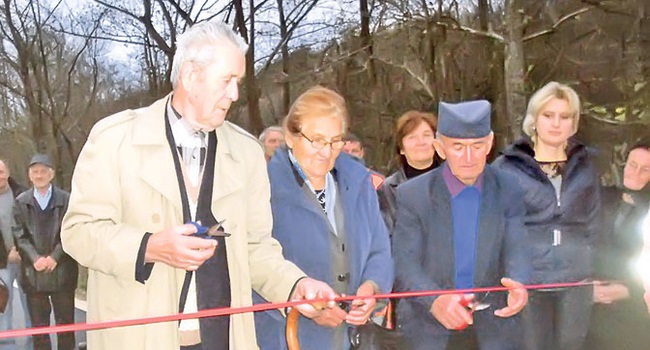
<point>51,80</point>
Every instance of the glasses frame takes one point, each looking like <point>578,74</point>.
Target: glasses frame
<point>320,144</point>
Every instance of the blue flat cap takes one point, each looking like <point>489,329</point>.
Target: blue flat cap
<point>41,159</point>
<point>465,120</point>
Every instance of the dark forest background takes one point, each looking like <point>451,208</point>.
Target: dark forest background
<point>66,64</point>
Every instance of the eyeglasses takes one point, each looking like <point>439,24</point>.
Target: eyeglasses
<point>321,143</point>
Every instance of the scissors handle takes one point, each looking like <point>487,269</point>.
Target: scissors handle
<point>209,232</point>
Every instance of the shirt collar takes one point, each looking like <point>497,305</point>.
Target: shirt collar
<point>454,185</point>
<point>184,134</point>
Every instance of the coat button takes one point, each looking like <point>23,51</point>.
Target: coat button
<point>342,277</point>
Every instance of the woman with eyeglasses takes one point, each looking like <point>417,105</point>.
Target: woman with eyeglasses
<point>326,217</point>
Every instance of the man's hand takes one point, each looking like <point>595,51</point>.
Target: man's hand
<point>173,246</point>
<point>450,312</point>
<point>331,317</point>
<point>40,264</point>
<point>609,293</point>
<point>13,256</point>
<point>361,308</point>
<point>310,289</point>
<point>50,264</point>
<point>517,298</point>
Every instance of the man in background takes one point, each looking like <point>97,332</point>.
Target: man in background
<point>271,138</point>
<point>49,275</point>
<point>354,147</point>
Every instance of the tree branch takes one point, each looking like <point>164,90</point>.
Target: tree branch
<point>553,28</point>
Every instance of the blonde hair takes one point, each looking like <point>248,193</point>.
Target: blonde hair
<point>542,96</point>
<point>316,102</point>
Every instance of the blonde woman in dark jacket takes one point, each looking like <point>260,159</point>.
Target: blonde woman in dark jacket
<point>562,210</point>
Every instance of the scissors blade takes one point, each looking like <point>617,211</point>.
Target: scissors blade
<point>217,230</point>
<point>480,306</point>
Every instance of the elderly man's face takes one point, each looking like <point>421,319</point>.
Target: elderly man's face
<point>40,175</point>
<point>4,177</point>
<point>354,148</point>
<point>466,157</point>
<point>636,174</point>
<point>212,88</point>
<point>272,140</point>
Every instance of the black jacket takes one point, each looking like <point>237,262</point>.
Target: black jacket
<point>16,189</point>
<point>387,195</point>
<point>30,246</point>
<point>623,324</point>
<point>575,216</point>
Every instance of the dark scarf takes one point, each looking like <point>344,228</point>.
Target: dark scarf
<point>412,172</point>
<point>213,277</point>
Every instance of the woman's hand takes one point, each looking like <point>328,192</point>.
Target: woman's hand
<point>332,317</point>
<point>609,293</point>
<point>362,307</point>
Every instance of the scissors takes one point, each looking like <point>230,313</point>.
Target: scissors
<point>213,231</point>
<point>477,304</point>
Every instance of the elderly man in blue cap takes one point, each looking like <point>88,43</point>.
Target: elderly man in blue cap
<point>460,227</point>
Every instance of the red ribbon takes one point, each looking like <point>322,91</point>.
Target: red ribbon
<point>226,311</point>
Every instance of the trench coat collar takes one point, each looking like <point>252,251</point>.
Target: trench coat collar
<point>157,168</point>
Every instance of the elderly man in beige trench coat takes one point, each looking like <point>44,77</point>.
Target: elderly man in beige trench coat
<point>126,208</point>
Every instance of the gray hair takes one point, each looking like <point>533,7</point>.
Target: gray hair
<point>543,96</point>
<point>266,131</point>
<point>198,42</point>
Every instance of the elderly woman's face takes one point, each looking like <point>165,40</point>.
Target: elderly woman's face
<point>315,162</point>
<point>554,123</point>
<point>417,146</point>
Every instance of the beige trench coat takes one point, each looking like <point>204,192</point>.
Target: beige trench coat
<point>124,185</point>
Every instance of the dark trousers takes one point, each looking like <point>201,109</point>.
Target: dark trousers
<point>465,340</point>
<point>40,308</point>
<point>557,319</point>
<point>192,347</point>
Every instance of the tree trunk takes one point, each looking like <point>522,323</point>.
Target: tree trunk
<point>250,80</point>
<point>286,84</point>
<point>514,68</point>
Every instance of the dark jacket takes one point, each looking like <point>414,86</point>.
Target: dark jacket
<point>16,189</point>
<point>624,323</point>
<point>387,195</point>
<point>300,227</point>
<point>576,215</point>
<point>30,246</point>
<point>424,255</point>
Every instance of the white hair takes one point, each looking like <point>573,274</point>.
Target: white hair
<point>266,131</point>
<point>197,44</point>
